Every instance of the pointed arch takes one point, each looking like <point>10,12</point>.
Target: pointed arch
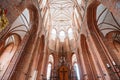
<point>51,59</point>
<point>50,65</point>
<point>70,33</point>
<point>75,66</point>
<point>53,34</point>
<point>17,60</point>
<point>108,55</point>
<point>113,40</point>
<point>74,58</point>
<point>62,36</point>
<point>9,51</point>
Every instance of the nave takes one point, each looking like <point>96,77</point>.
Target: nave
<point>59,39</point>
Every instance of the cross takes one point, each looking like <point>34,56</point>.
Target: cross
<point>63,72</point>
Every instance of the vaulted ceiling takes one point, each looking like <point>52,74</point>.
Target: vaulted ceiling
<point>61,21</point>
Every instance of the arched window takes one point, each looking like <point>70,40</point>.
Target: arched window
<point>77,71</point>
<point>49,71</point>
<point>75,66</point>
<point>53,34</point>
<point>74,59</point>
<point>62,36</point>
<point>70,33</point>
<point>51,58</point>
<point>49,68</point>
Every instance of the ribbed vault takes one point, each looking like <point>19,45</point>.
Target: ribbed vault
<point>61,20</point>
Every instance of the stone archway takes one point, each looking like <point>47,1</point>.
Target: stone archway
<point>22,69</point>
<point>12,42</point>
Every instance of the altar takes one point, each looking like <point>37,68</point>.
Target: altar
<point>63,70</point>
<point>63,73</point>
